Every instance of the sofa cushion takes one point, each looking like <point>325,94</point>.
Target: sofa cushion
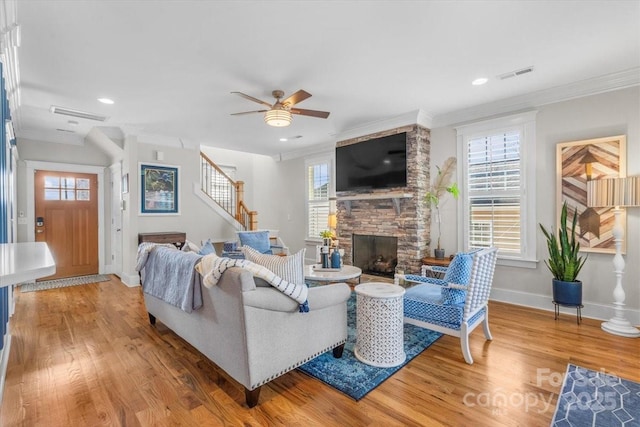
<point>290,268</point>
<point>258,240</point>
<point>207,248</point>
<point>459,272</point>
<point>424,302</point>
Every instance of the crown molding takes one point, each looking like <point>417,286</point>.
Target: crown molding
<point>419,117</point>
<point>593,86</point>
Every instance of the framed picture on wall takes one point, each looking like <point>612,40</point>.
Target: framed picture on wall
<point>159,186</point>
<point>578,162</point>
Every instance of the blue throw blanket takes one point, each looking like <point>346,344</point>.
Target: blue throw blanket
<point>170,275</point>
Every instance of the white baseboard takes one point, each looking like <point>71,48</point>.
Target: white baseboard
<point>543,302</point>
<point>130,280</point>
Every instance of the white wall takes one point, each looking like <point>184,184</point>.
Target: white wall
<point>293,221</point>
<point>608,114</point>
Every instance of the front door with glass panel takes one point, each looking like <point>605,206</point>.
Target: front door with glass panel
<point>67,219</point>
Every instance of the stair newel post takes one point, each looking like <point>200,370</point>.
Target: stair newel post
<point>253,220</point>
<point>239,199</point>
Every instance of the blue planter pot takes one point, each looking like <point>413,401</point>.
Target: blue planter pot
<point>567,293</point>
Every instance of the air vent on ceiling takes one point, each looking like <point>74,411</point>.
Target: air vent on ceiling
<point>66,130</point>
<point>515,73</point>
<point>77,113</point>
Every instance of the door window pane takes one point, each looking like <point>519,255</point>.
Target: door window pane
<point>52,182</point>
<point>83,184</point>
<point>83,195</point>
<point>50,194</point>
<point>68,182</point>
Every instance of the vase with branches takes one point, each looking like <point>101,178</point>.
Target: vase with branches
<point>441,186</point>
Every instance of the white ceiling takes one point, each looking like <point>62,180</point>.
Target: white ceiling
<point>170,65</point>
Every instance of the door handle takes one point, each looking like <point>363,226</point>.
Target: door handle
<point>39,231</point>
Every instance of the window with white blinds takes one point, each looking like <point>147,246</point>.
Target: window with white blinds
<point>498,192</point>
<point>318,185</point>
<point>493,189</point>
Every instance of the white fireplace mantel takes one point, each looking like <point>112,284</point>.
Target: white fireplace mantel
<point>394,196</point>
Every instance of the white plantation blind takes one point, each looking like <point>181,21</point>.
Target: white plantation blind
<point>494,192</point>
<point>318,182</point>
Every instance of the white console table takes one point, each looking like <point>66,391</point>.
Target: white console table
<point>21,262</point>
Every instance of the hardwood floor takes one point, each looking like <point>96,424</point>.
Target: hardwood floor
<point>87,356</point>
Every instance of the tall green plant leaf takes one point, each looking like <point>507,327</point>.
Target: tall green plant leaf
<point>564,261</point>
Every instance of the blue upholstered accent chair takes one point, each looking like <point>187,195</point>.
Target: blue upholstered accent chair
<point>457,303</point>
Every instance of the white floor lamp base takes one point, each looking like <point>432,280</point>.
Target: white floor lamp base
<point>620,327</point>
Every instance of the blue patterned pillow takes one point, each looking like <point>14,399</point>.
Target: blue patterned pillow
<point>258,240</point>
<point>459,272</point>
<point>230,246</point>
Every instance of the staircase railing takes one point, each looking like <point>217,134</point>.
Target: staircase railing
<point>226,192</point>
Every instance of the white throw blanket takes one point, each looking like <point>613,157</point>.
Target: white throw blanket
<point>212,266</point>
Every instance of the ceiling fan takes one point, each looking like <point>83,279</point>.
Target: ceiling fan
<point>279,114</point>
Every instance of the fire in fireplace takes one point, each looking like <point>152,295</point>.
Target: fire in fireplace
<point>377,255</point>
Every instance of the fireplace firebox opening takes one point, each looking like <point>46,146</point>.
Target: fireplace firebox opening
<point>376,255</point>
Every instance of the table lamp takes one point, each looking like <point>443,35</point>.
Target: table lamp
<point>617,193</point>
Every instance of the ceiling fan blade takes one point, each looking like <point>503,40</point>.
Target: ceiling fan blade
<point>293,99</point>
<point>312,113</point>
<point>249,112</point>
<point>251,98</point>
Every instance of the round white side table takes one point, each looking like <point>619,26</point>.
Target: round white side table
<point>379,324</point>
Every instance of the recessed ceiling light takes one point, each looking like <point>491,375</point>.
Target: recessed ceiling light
<point>479,81</point>
<point>106,101</point>
<point>283,139</point>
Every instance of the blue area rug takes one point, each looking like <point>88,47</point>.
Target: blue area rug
<point>591,398</point>
<point>354,378</point>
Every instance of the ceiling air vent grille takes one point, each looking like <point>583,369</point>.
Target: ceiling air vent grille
<point>77,113</point>
<point>515,73</point>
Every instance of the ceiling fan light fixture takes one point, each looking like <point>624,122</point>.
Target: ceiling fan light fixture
<point>278,118</point>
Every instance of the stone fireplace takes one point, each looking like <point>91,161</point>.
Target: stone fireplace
<point>394,212</point>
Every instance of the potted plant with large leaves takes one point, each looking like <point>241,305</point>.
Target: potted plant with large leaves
<point>564,262</point>
<point>441,186</point>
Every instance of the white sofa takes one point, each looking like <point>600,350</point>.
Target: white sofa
<point>255,333</point>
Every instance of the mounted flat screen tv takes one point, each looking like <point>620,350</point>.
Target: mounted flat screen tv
<point>375,163</point>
